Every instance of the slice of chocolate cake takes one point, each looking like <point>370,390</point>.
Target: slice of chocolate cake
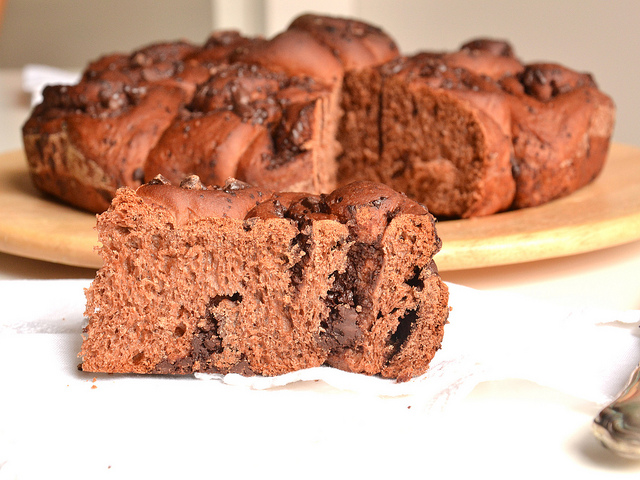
<point>241,279</point>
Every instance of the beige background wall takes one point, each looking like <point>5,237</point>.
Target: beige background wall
<point>599,36</point>
<point>67,33</point>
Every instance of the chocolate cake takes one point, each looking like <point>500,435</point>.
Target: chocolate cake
<point>241,279</point>
<point>326,102</point>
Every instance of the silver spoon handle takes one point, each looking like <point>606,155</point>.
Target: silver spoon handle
<point>618,425</point>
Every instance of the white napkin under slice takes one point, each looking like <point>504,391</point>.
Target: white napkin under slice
<point>585,353</point>
<point>494,336</point>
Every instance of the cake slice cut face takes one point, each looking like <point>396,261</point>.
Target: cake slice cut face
<point>438,134</point>
<point>241,279</point>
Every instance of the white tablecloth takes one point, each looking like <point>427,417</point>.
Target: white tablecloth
<point>82,423</point>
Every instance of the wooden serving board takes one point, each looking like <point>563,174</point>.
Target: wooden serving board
<point>603,214</point>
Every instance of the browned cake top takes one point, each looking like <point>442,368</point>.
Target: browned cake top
<point>363,205</point>
<point>254,93</point>
<point>435,70</point>
<point>294,52</point>
<point>152,60</point>
<point>321,47</point>
<point>546,81</point>
<point>93,100</point>
<point>355,43</point>
<point>159,64</point>
<point>486,56</point>
<point>220,46</point>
